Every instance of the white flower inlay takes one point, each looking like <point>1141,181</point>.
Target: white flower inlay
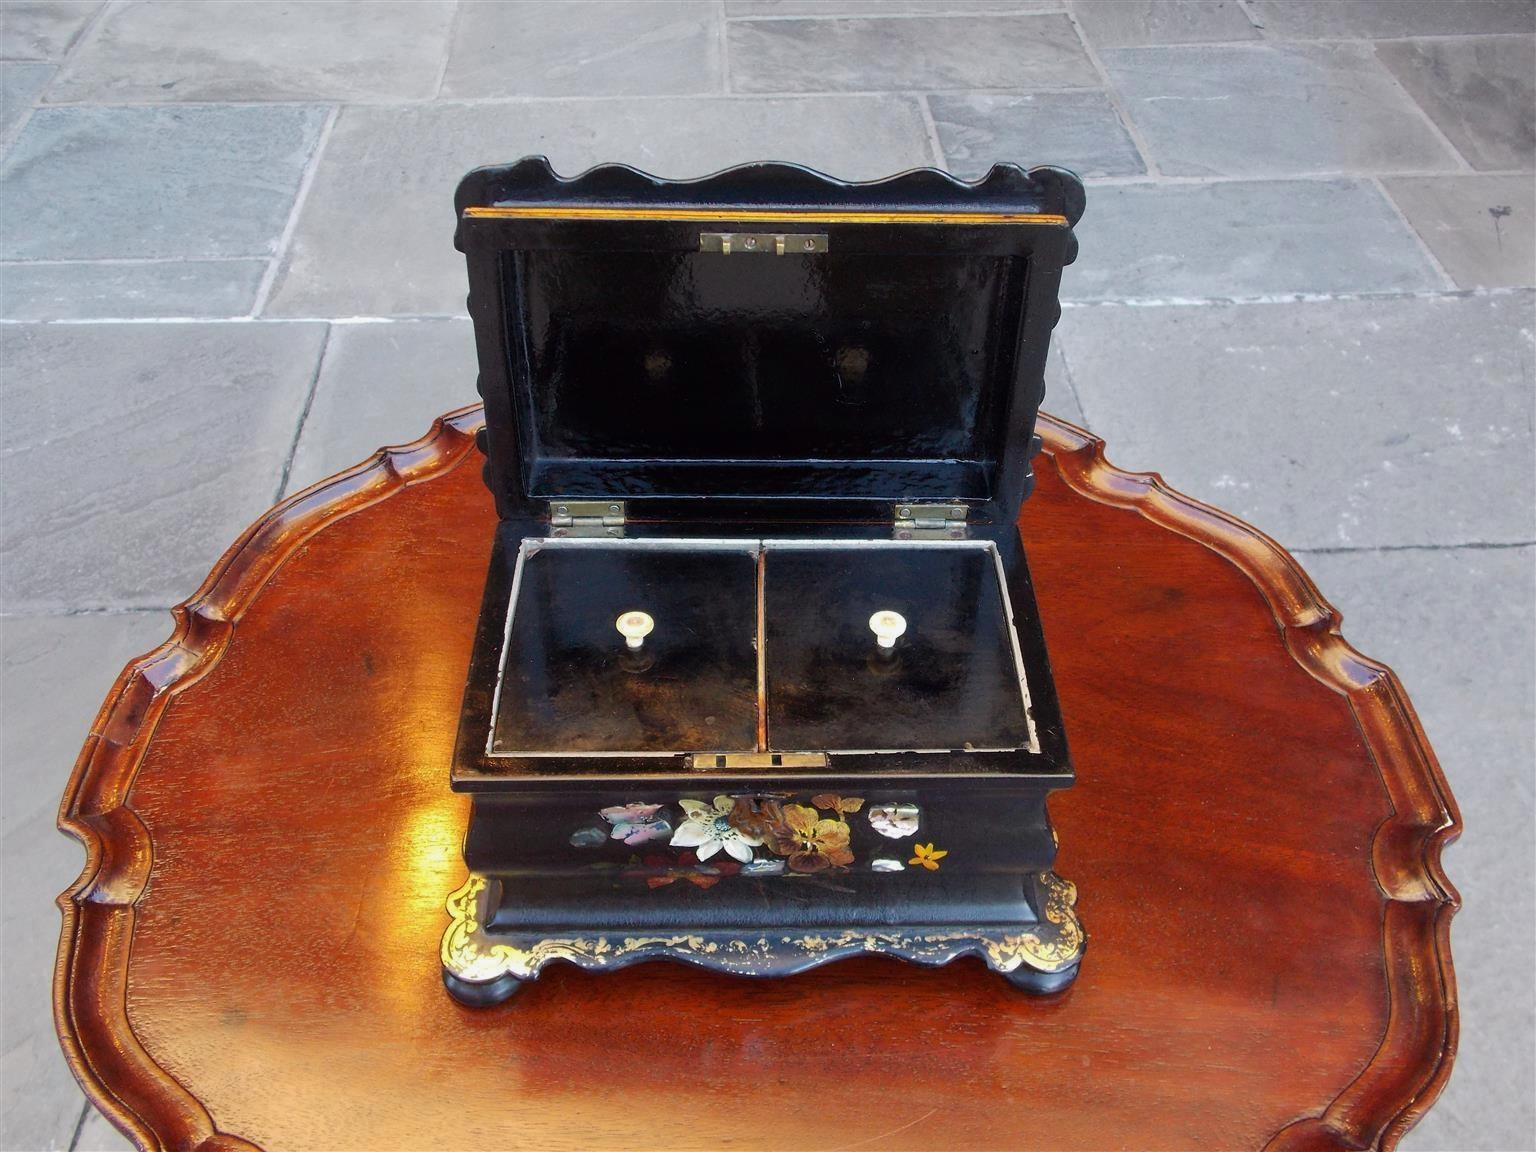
<point>707,828</point>
<point>894,820</point>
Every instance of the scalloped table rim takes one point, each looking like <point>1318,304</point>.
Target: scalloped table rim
<point>1401,1081</point>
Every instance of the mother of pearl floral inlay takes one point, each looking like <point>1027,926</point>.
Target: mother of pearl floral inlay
<point>708,829</point>
<point>763,834</point>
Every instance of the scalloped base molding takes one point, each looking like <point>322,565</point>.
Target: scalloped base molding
<point>480,967</point>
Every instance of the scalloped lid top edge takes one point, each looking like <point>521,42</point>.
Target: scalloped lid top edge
<point>1005,188</point>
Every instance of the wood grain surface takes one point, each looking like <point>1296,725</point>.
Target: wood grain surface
<point>250,956</point>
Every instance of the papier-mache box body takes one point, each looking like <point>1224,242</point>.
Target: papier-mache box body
<point>759,680</point>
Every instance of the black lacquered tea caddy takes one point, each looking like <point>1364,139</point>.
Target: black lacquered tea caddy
<point>759,681</point>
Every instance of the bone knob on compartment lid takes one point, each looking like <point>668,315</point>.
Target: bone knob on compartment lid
<point>887,627</point>
<point>635,627</point>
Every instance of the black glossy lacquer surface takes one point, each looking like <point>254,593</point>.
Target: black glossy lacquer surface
<point>950,682</point>
<point>624,357</point>
<point>775,397</point>
<point>569,683</point>
<point>666,356</point>
<point>556,886</point>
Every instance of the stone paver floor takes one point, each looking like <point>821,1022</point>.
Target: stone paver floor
<point>1305,295</point>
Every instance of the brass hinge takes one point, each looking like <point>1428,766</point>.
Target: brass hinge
<point>930,521</point>
<point>766,243</point>
<point>586,517</point>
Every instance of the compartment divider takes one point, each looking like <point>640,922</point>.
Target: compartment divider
<point>762,651</point>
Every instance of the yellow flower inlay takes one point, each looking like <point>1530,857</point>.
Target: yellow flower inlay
<point>927,856</point>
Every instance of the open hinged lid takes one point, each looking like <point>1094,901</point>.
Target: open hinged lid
<point>767,341</point>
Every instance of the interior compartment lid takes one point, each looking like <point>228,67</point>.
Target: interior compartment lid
<point>767,335</point>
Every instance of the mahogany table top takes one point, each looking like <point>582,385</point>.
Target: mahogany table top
<point>250,956</point>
